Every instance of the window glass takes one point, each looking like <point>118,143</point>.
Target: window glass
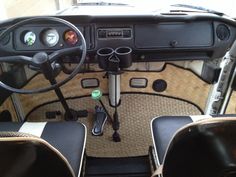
<point>18,8</point>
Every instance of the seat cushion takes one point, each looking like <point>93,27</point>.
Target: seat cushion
<point>202,149</point>
<point>163,129</point>
<point>67,137</point>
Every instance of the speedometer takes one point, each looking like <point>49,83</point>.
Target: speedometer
<point>50,37</point>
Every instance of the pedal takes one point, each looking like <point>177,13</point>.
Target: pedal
<point>52,114</point>
<point>82,113</point>
<point>99,121</point>
<point>74,115</point>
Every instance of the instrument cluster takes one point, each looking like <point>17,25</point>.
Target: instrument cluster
<point>49,38</point>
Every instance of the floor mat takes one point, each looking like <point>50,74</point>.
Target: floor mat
<point>118,167</point>
<point>136,112</point>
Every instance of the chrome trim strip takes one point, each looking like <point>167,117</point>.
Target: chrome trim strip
<point>84,145</point>
<point>153,140</point>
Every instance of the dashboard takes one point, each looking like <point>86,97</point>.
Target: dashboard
<point>151,38</point>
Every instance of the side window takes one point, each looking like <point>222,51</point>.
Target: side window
<point>13,8</point>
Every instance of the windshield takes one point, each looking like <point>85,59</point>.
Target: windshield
<point>18,8</point>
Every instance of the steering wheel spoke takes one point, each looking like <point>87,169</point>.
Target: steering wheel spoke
<point>18,59</point>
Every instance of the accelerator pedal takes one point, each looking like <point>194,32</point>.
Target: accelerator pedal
<point>99,121</point>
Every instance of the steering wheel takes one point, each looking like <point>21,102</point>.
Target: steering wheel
<point>41,59</point>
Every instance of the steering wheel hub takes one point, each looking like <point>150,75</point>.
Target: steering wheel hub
<point>40,58</point>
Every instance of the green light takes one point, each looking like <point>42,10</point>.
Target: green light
<point>96,94</point>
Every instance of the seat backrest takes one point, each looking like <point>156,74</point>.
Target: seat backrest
<point>205,148</point>
<point>24,155</point>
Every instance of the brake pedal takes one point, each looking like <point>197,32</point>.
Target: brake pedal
<point>99,121</point>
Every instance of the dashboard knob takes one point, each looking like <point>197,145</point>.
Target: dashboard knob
<point>173,43</point>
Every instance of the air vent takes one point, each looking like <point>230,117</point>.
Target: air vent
<point>174,13</point>
<point>89,83</point>
<point>138,82</point>
<point>222,32</point>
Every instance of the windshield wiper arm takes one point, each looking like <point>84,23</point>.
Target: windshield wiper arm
<point>198,8</point>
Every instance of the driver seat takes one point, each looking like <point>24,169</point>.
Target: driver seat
<point>205,148</point>
<point>48,149</point>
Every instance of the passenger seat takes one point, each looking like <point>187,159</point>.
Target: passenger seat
<point>190,146</point>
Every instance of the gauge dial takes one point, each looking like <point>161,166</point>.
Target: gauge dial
<point>50,37</point>
<point>71,37</point>
<point>29,38</point>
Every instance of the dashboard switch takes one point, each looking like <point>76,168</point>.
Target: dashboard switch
<point>173,43</point>
<point>127,33</point>
<point>102,34</point>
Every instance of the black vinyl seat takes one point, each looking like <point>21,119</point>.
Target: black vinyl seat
<point>57,147</point>
<point>190,146</point>
<point>163,129</point>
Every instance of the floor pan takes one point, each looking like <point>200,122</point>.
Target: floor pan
<point>135,112</point>
<point>118,167</point>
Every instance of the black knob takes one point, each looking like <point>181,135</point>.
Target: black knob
<point>173,43</point>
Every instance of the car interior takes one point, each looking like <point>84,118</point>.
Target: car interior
<point>104,89</point>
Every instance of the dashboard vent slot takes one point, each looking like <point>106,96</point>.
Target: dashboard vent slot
<point>89,83</point>
<point>138,82</point>
<point>173,13</point>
